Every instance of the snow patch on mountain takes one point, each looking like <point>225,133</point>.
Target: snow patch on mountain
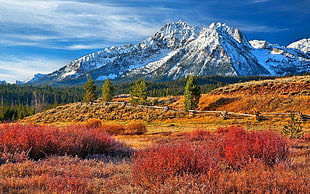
<point>259,44</point>
<point>303,45</point>
<point>150,61</point>
<point>36,77</point>
<point>149,67</point>
<point>178,50</point>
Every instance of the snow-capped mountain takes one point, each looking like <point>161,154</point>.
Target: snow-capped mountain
<point>178,50</point>
<point>36,77</point>
<point>303,45</point>
<point>280,60</point>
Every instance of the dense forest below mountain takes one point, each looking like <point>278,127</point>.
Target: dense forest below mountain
<point>19,101</point>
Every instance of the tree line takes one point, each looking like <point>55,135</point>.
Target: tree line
<point>19,101</point>
<point>139,92</point>
<point>176,87</point>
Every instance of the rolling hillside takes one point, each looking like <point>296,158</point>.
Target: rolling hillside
<point>279,95</point>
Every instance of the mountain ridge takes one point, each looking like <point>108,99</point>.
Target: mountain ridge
<point>178,50</point>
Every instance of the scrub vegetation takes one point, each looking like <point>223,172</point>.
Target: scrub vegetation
<point>115,148</point>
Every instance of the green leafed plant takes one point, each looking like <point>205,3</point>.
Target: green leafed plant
<point>293,129</point>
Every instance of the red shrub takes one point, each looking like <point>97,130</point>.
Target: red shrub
<point>198,135</point>
<point>153,166</point>
<point>241,148</point>
<point>206,153</point>
<point>307,136</point>
<point>42,141</point>
<point>18,156</point>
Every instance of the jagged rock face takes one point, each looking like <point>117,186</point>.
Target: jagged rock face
<point>178,50</point>
<point>280,60</point>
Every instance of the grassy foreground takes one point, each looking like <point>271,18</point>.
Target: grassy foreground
<point>117,168</point>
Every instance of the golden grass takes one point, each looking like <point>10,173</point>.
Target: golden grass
<point>254,103</point>
<point>283,86</point>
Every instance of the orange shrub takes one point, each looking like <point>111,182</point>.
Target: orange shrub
<point>93,124</point>
<point>113,129</point>
<point>135,129</point>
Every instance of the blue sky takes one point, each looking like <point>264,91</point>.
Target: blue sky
<point>44,35</point>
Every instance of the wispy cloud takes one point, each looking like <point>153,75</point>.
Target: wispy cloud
<point>40,23</point>
<point>260,28</point>
<point>16,68</point>
<point>70,28</point>
<point>260,1</point>
<point>92,24</point>
<point>84,46</point>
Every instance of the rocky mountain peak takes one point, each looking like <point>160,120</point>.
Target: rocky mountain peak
<point>178,50</point>
<point>175,35</point>
<point>224,30</point>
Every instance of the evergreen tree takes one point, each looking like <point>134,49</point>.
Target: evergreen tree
<point>294,128</point>
<point>191,94</point>
<point>90,91</point>
<point>138,93</point>
<point>107,91</point>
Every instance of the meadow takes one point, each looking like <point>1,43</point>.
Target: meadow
<point>99,157</point>
<point>96,148</point>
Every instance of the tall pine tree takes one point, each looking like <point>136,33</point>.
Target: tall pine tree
<point>138,93</point>
<point>191,94</point>
<point>107,91</point>
<point>90,91</point>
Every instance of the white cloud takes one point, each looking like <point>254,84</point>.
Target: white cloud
<point>68,25</point>
<point>83,46</point>
<point>36,22</point>
<point>13,68</point>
